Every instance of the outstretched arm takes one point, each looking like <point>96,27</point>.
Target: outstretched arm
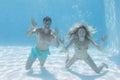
<point>33,28</point>
<point>69,44</point>
<point>56,41</point>
<point>66,50</point>
<point>100,46</point>
<point>54,33</point>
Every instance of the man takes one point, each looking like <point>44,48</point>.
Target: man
<point>44,37</point>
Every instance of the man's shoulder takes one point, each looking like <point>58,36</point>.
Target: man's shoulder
<point>52,31</point>
<point>39,29</point>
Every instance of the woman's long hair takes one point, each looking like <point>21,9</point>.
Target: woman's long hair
<point>74,31</point>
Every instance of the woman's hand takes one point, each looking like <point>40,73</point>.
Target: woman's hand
<point>103,38</point>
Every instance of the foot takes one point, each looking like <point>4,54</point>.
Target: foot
<point>68,69</point>
<point>42,67</point>
<point>105,65</point>
<point>66,61</point>
<point>30,71</point>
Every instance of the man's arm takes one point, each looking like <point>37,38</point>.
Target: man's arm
<point>55,38</point>
<point>56,41</point>
<point>31,31</point>
<point>33,28</point>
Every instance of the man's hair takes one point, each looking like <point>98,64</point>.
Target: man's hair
<point>47,18</point>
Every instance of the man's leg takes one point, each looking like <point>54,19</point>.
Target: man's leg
<point>42,56</point>
<point>29,63</point>
<point>31,59</point>
<point>42,62</point>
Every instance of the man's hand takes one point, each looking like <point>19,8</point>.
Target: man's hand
<point>34,24</point>
<point>55,33</point>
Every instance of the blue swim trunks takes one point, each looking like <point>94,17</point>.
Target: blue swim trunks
<point>40,54</point>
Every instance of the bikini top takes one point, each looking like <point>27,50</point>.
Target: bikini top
<point>83,48</point>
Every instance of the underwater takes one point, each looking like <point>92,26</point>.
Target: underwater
<point>15,46</point>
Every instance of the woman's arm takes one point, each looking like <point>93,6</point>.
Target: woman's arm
<point>100,46</point>
<point>69,44</point>
<point>66,50</point>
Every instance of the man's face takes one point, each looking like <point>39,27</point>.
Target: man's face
<point>47,23</point>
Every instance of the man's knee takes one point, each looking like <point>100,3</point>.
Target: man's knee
<point>42,62</point>
<point>29,63</point>
<point>27,67</point>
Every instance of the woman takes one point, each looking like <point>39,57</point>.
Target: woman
<point>80,37</point>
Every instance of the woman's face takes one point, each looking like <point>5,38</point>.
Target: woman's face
<point>81,34</point>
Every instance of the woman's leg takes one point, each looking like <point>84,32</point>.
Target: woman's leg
<point>71,61</point>
<point>91,63</point>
